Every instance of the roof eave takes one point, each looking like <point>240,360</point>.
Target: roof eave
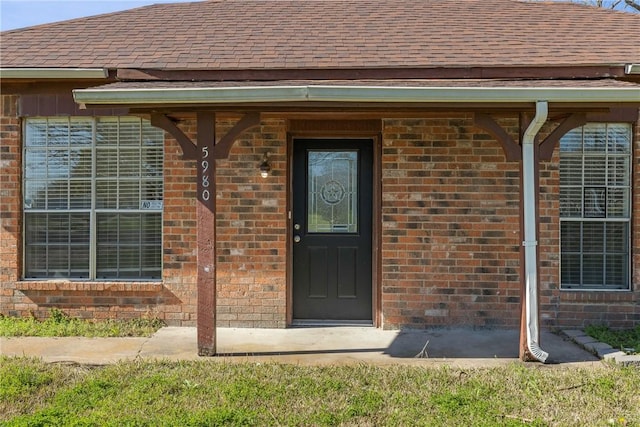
<point>54,73</point>
<point>632,69</point>
<point>349,94</point>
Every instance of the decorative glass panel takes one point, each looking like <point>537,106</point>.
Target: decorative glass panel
<point>333,192</point>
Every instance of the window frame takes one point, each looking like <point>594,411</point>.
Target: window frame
<point>93,211</point>
<point>604,219</point>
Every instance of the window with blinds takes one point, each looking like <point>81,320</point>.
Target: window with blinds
<point>93,198</point>
<point>595,207</point>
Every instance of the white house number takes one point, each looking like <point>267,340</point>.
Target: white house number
<point>204,167</point>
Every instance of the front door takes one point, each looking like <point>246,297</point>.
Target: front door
<point>332,229</point>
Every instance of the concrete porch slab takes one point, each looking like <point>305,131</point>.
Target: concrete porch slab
<point>462,347</point>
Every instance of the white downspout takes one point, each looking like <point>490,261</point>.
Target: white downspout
<point>530,242</point>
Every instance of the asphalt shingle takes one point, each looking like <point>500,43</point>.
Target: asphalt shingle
<point>313,34</point>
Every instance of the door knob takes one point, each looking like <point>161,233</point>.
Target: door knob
<point>296,239</point>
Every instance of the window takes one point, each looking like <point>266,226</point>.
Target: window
<point>93,191</point>
<point>595,207</point>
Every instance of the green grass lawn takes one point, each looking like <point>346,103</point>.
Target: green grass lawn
<point>58,324</point>
<point>626,340</point>
<point>210,393</point>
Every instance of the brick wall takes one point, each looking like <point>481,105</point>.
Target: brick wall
<point>251,227</point>
<point>450,242</point>
<point>10,161</point>
<point>179,231</point>
<point>450,235</point>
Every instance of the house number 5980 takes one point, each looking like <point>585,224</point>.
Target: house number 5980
<point>204,167</point>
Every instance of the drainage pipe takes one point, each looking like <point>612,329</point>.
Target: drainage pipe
<point>530,243</point>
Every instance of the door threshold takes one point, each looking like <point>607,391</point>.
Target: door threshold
<point>317,323</point>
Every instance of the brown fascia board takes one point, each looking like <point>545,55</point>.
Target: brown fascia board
<point>22,87</point>
<point>553,72</point>
<point>35,86</point>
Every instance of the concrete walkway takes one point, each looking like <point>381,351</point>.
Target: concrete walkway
<point>460,347</point>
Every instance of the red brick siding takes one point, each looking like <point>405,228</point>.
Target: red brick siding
<point>251,227</point>
<point>10,206</point>
<point>179,231</point>
<point>450,243</point>
<point>450,235</point>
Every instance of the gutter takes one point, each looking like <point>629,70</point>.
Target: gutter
<point>54,73</point>
<point>530,233</point>
<point>261,94</point>
<point>632,69</point>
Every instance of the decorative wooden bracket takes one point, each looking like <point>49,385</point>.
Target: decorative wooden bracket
<point>549,144</point>
<point>512,149</point>
<point>189,150</point>
<point>221,149</point>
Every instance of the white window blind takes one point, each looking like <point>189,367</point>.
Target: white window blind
<point>93,191</point>
<point>595,207</point>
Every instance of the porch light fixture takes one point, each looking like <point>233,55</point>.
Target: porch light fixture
<point>264,167</point>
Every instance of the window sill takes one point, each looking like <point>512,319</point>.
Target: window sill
<point>79,285</point>
<point>594,290</point>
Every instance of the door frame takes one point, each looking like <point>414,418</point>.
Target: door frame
<point>340,129</point>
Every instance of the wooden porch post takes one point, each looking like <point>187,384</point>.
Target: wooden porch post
<point>206,235</point>
<point>204,152</point>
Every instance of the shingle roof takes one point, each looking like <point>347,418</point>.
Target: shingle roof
<point>312,34</point>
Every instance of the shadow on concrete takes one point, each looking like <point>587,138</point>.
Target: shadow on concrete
<point>470,343</point>
<point>311,346</point>
<point>368,342</point>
